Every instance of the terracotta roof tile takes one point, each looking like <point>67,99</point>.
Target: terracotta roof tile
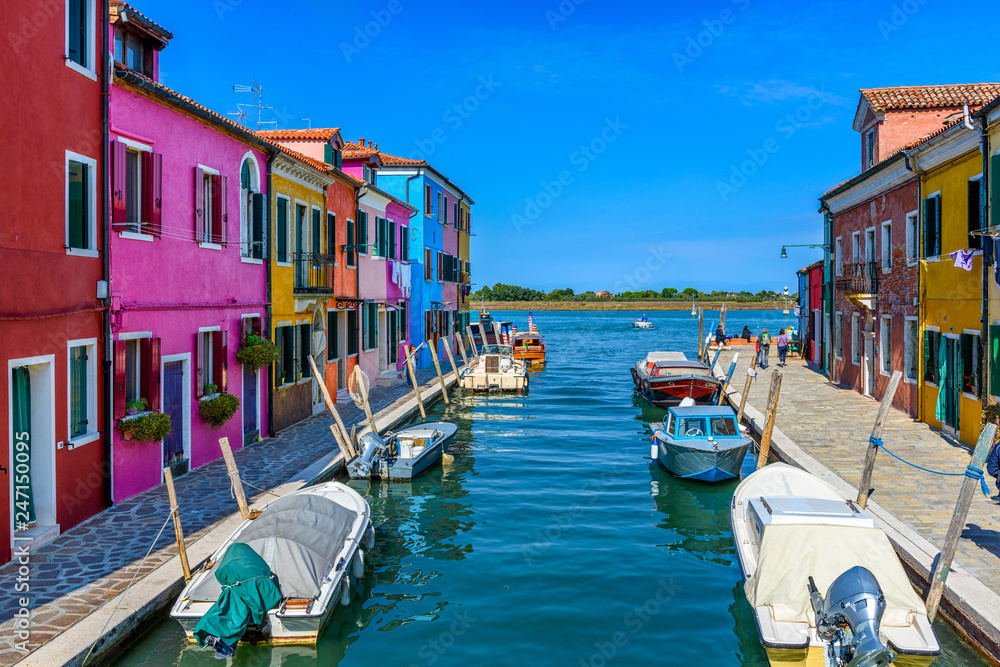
<point>118,3</point>
<point>929,97</point>
<point>305,159</point>
<point>313,134</point>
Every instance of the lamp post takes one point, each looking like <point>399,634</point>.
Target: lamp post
<point>824,246</point>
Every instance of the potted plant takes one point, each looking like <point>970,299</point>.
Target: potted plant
<point>209,389</point>
<point>991,415</point>
<point>145,426</point>
<point>217,409</point>
<point>136,406</point>
<point>256,352</point>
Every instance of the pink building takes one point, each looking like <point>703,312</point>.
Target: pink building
<point>188,279</point>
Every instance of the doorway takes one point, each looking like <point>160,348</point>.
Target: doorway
<point>868,362</point>
<point>177,404</point>
<point>341,341</point>
<point>383,342</point>
<point>393,331</point>
<point>251,406</point>
<point>951,380</point>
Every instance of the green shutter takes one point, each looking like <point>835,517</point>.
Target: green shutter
<point>78,391</point>
<point>362,232</point>
<point>260,215</point>
<point>24,501</point>
<point>994,360</point>
<point>937,224</point>
<point>282,230</point>
<point>317,229</point>
<point>352,253</point>
<point>928,373</point>
<point>994,186</point>
<point>328,156</point>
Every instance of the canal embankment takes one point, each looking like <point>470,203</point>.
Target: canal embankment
<point>824,429</point>
<point>109,611</point>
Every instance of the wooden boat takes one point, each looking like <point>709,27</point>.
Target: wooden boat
<point>311,539</point>
<point>495,369</point>
<point>797,537</point>
<point>405,454</point>
<point>665,378</point>
<point>700,442</point>
<point>528,347</point>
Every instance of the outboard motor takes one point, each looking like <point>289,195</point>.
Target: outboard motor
<point>849,618</point>
<point>372,450</point>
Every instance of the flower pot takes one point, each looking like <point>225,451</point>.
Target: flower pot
<point>127,435</point>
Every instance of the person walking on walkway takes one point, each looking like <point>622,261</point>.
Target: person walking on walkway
<point>765,347</point>
<point>782,343</point>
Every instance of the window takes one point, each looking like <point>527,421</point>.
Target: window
<point>910,342</point>
<point>81,205</point>
<point>137,373</point>
<point>293,344</point>
<point>210,206</point>
<point>839,256</point>
<point>136,177</point>
<point>211,362</point>
<point>392,240</point>
<point>887,246</point>
<point>456,220</point>
<point>82,390</point>
<point>369,174</point>
<point>253,211</point>
<point>975,241</point>
<point>870,245</point>
<point>932,225</point>
<point>281,231</point>
<point>352,331</point>
<point>381,237</point>
<point>932,346</point>
<point>133,189</point>
<point>80,31</point>
<point>885,345</point>
<point>133,370</point>
<point>403,325</point>
<point>446,209</point>
<point>427,201</point>
<point>869,148</point>
<point>404,244</point>
<point>333,335</point>
<point>724,427</point>
<point>440,266</point>
<point>912,236</point>
<point>972,361</point>
<point>439,207</point>
<point>994,360</point>
<point>856,247</point>
<point>304,340</point>
<point>838,334</point>
<point>370,326</point>
<point>331,234</point>
<point>352,252</point>
<point>428,266</point>
<point>362,232</point>
<point>856,339</point>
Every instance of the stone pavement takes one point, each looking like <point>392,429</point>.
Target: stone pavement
<point>93,562</point>
<point>833,424</point>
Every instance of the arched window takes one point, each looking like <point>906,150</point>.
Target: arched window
<point>253,209</point>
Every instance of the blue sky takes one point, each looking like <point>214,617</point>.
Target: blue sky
<point>598,139</point>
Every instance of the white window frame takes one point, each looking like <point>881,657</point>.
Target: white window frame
<point>884,345</point>
<point>978,342</point>
<point>289,212</point>
<point>912,237</point>
<point>89,68</point>
<point>869,248</point>
<point>838,334</point>
<point>935,330</point>
<point>92,222</point>
<point>934,258</point>
<point>92,433</point>
<point>870,148</point>
<point>839,258</point>
<point>856,338</point>
<point>910,324</point>
<point>886,246</point>
<point>856,247</point>
<point>246,209</point>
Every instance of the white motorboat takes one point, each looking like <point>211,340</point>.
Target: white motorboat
<point>311,540</point>
<point>640,323</point>
<point>824,582</point>
<point>404,454</point>
<point>495,369</point>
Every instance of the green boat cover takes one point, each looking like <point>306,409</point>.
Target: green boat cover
<point>248,592</point>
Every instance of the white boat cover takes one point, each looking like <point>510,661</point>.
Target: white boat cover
<point>298,536</point>
<point>653,357</point>
<point>791,553</point>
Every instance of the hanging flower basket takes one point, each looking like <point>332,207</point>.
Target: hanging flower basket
<point>144,426</point>
<point>256,352</point>
<point>218,409</point>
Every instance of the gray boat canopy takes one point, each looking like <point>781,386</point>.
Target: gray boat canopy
<point>653,357</point>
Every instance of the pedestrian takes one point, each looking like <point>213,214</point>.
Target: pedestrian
<point>720,336</point>
<point>993,466</point>
<point>746,335</point>
<point>782,343</point>
<point>765,347</point>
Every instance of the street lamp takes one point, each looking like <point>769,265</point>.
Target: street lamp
<point>824,246</point>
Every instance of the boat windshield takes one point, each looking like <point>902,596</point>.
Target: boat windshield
<point>695,427</point>
<point>724,427</point>
<point>497,349</point>
<point>691,427</point>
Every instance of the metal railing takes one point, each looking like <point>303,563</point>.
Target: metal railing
<point>859,278</point>
<point>313,272</point>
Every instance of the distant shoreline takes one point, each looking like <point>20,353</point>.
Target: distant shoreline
<point>630,305</point>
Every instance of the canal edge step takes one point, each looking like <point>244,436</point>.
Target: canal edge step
<point>971,607</point>
<point>152,595</point>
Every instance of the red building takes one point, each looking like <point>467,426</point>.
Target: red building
<point>53,270</point>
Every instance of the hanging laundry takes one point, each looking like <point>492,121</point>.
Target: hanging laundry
<point>395,273</point>
<point>988,255</point>
<point>963,259</point>
<point>404,279</point>
<point>995,247</point>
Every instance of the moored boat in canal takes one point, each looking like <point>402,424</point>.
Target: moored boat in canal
<point>666,378</point>
<point>700,442</point>
<point>823,580</point>
<point>405,454</point>
<point>528,347</point>
<point>311,542</point>
<point>495,369</point>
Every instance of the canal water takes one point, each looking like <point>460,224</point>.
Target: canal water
<point>552,540</point>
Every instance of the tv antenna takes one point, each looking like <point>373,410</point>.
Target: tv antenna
<point>240,115</point>
<point>308,122</point>
<point>258,97</point>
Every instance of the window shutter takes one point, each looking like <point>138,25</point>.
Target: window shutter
<point>392,240</point>
<point>151,372</point>
<point>331,234</point>
<point>328,154</point>
<point>260,223</point>
<point>317,230</point>
<point>404,244</point>
<point>220,205</point>
<point>974,240</point>
<point>428,268</point>
<point>994,360</point>
<point>994,183</point>
<point>427,200</point>
<point>118,171</point>
<point>927,354</point>
<point>362,233</point>
<point>928,227</point>
<point>937,224</point>
<point>119,379</point>
<point>199,365</point>
<point>351,258</point>
<point>279,342</point>
<point>199,205</point>
<point>156,195</point>
<point>219,359</point>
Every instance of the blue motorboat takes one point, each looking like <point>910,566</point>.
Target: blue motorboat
<point>702,442</point>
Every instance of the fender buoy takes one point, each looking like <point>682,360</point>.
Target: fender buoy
<point>654,450</point>
<point>358,564</point>
<point>345,592</point>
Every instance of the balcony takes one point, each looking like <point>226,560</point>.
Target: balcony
<point>313,273</point>
<point>859,283</point>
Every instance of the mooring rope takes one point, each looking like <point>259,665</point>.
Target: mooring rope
<point>970,470</point>
<point>122,596</point>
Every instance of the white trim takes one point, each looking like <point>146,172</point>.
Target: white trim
<point>886,249</point>
<point>250,316</point>
<point>207,329</point>
<point>135,335</point>
<point>972,332</point>
<point>857,339</point>
<point>930,328</point>
<point>283,323</point>
<point>911,260</point>
<point>838,258</point>
<point>185,399</point>
<point>73,65</point>
<point>76,252</point>
<point>210,246</point>
<point>977,177</point>
<point>93,432</point>
<point>209,170</point>
<point>251,260</point>
<point>884,351</point>
<point>971,397</point>
<point>90,51</point>
<point>869,253</point>
<point>139,146</point>
<point>92,222</point>
<point>952,336</point>
<point>136,237</point>
<point>289,213</point>
<point>911,318</point>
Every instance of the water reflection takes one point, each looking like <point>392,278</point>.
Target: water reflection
<point>695,515</point>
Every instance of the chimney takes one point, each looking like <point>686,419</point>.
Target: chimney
<point>376,145</point>
<point>361,142</point>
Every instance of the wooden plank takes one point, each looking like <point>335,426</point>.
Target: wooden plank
<point>343,442</point>
<point>234,477</point>
<point>770,415</point>
<point>437,367</point>
<point>865,486</point>
<point>168,477</point>
<point>987,438</point>
<point>416,386</point>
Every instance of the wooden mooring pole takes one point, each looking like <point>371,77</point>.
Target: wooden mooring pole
<point>969,484</point>
<point>168,477</point>
<point>437,367</point>
<point>416,385</point>
<point>865,486</point>
<point>451,357</point>
<point>234,477</point>
<point>461,348</point>
<point>339,432</point>
<point>701,332</point>
<point>751,374</point>
<point>729,377</point>
<point>769,417</point>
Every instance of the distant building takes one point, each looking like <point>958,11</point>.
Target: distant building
<point>604,294</point>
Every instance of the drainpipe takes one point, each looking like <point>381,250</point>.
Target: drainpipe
<point>966,121</point>
<point>984,222</point>
<point>270,300</point>
<point>108,362</point>
<point>911,166</point>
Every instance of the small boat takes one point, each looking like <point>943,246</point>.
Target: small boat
<point>665,378</point>
<point>700,442</point>
<point>528,347</point>
<point>797,537</point>
<point>495,369</point>
<point>311,541</point>
<point>405,454</point>
<point>642,324</point>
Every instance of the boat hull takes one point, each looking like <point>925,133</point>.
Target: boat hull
<point>482,382</point>
<point>813,656</point>
<point>667,393</point>
<point>700,464</point>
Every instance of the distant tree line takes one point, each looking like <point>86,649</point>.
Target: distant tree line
<point>502,292</point>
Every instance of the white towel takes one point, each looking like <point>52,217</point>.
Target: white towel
<point>395,272</point>
<point>404,275</point>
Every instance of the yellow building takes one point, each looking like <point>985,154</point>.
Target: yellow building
<point>989,119</point>
<point>950,167</point>
<point>302,282</point>
<point>465,275</point>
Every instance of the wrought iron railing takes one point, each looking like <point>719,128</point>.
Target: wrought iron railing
<point>313,272</point>
<point>859,278</point>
